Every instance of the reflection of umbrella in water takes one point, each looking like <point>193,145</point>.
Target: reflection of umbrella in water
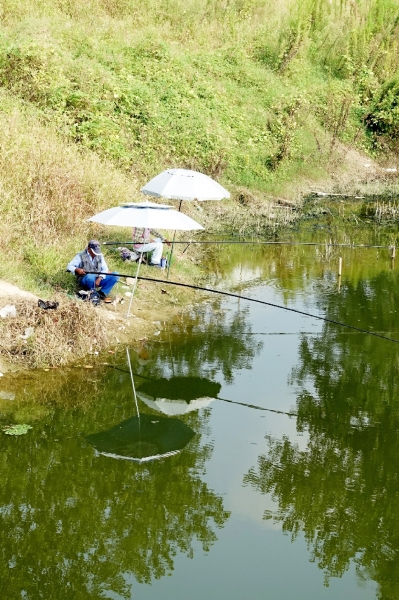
<point>178,395</point>
<point>142,439</point>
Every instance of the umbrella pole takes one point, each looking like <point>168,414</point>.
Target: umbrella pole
<point>135,283</point>
<point>173,245</point>
<point>171,254</point>
<point>131,377</point>
<point>134,286</point>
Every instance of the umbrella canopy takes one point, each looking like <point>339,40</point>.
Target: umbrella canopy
<point>178,395</point>
<point>174,407</point>
<point>142,439</point>
<point>182,184</point>
<point>147,215</point>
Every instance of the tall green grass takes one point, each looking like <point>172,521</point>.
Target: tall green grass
<point>223,87</point>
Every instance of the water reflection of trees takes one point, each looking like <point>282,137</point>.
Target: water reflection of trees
<point>294,269</point>
<point>342,491</point>
<point>207,341</point>
<point>74,522</point>
<point>79,523</point>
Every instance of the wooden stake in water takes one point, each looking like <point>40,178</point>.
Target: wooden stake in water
<point>339,274</point>
<point>393,252</point>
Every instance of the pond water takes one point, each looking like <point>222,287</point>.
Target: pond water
<point>240,498</point>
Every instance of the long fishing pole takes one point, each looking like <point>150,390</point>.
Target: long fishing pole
<point>231,295</point>
<point>261,243</point>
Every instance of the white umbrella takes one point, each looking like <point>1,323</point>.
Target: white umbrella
<point>147,215</point>
<point>183,184</point>
<point>178,395</point>
<point>174,407</point>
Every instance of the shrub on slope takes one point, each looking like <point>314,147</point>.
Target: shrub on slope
<point>250,90</point>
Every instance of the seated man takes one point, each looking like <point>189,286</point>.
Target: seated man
<point>92,259</point>
<point>150,244</point>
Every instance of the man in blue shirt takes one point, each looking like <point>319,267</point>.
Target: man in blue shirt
<point>92,259</point>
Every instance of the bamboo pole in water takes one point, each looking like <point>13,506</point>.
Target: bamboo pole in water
<point>339,274</point>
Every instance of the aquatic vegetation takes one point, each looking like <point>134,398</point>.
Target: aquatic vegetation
<point>19,429</point>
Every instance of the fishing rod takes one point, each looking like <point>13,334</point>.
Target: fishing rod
<point>256,242</point>
<point>263,302</point>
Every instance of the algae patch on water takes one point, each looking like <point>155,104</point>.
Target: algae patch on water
<point>19,429</point>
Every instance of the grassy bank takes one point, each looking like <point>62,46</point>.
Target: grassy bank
<point>79,333</point>
<point>237,88</point>
<point>98,97</point>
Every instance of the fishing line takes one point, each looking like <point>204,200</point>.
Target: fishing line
<point>294,414</point>
<point>263,243</point>
<point>263,302</point>
<point>282,333</point>
<point>272,410</point>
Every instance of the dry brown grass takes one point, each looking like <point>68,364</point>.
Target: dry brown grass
<point>49,188</point>
<point>59,337</point>
<point>246,214</point>
<point>47,191</point>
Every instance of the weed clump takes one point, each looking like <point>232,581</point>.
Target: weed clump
<point>38,338</point>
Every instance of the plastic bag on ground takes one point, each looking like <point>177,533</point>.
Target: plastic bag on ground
<point>8,311</point>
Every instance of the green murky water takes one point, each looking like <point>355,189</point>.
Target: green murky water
<point>239,498</point>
